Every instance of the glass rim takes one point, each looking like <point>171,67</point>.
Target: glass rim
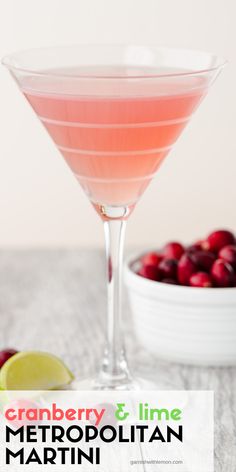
<point>8,59</point>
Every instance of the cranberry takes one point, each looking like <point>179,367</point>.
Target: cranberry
<point>168,268</point>
<point>5,355</point>
<point>151,258</point>
<point>186,268</point>
<point>173,250</point>
<point>219,239</point>
<point>201,279</point>
<point>150,272</point>
<point>205,245</point>
<point>228,254</point>
<point>198,246</point>
<point>204,259</point>
<point>222,274</point>
<point>169,281</point>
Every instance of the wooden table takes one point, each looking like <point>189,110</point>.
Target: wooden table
<point>55,301</point>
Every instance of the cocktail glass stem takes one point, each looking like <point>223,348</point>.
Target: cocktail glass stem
<point>114,372</point>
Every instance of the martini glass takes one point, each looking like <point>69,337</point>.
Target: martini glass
<point>114,112</point>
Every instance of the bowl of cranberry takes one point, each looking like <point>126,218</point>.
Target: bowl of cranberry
<point>183,300</point>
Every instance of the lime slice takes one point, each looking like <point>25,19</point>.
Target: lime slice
<point>32,370</point>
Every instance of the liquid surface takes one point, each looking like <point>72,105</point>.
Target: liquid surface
<point>114,132</point>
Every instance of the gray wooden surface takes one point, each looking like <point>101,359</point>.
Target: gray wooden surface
<point>55,301</point>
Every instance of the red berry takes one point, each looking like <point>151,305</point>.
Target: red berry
<point>151,258</point>
<point>204,259</point>
<point>168,268</point>
<point>228,254</point>
<point>219,239</point>
<point>186,268</point>
<point>5,355</point>
<point>222,274</point>
<point>173,250</point>
<point>150,272</point>
<point>169,281</point>
<point>205,245</point>
<point>192,249</point>
<point>201,279</point>
<point>198,246</point>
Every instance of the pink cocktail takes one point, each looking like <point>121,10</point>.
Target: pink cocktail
<point>114,139</point>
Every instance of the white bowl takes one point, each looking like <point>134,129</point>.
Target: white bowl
<point>183,324</point>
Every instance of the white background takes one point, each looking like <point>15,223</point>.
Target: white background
<point>40,201</point>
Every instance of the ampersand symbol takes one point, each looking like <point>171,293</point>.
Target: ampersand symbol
<point>120,414</point>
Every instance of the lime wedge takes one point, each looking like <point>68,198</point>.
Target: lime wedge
<point>32,370</point>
